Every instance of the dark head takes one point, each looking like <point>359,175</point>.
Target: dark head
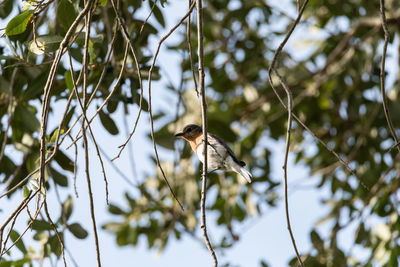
<point>190,132</point>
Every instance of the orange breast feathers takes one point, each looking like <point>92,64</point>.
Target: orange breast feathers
<point>194,144</point>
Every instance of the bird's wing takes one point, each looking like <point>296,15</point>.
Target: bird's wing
<point>230,152</point>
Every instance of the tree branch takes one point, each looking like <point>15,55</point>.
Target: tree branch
<point>204,124</point>
<point>150,107</point>
<point>383,74</point>
<point>289,126</point>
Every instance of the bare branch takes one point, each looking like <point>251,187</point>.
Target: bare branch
<point>204,124</point>
<point>128,40</point>
<point>382,74</point>
<point>48,86</point>
<point>191,51</point>
<point>150,107</point>
<point>85,141</point>
<point>289,126</point>
<point>148,16</point>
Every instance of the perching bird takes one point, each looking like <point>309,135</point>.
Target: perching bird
<point>219,155</point>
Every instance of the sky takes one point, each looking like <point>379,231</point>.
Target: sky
<point>263,237</point>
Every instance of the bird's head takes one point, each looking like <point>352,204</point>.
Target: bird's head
<point>190,132</point>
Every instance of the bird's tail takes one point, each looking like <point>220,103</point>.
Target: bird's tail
<point>243,172</point>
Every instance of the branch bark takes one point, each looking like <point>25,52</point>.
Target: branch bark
<point>204,124</point>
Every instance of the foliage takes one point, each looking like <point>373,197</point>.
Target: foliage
<point>334,77</point>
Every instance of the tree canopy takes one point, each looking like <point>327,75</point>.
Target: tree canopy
<point>86,59</point>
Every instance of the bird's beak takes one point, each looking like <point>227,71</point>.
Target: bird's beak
<point>179,135</point>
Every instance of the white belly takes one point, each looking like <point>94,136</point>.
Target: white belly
<point>216,156</point>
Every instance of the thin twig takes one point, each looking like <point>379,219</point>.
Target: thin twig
<point>148,16</point>
<point>191,50</point>
<point>75,89</point>
<point>150,107</point>
<point>85,141</point>
<point>382,74</point>
<point>199,10</point>
<point>48,87</point>
<point>128,40</point>
<point>290,118</point>
<point>60,240</point>
<point>75,163</point>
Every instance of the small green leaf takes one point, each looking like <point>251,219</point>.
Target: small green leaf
<point>92,54</point>
<point>41,225</point>
<point>45,43</point>
<point>113,227</point>
<point>53,137</point>
<point>77,230</point>
<point>64,162</point>
<point>108,123</point>
<point>26,191</point>
<point>115,210</point>
<point>68,117</point>
<point>157,14</point>
<point>55,245</point>
<point>19,23</point>
<point>20,244</point>
<point>6,8</point>
<point>66,14</point>
<point>26,116</point>
<point>59,178</point>
<point>68,80</point>
<point>102,2</point>
<point>67,208</point>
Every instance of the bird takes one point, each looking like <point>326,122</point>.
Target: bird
<point>219,155</point>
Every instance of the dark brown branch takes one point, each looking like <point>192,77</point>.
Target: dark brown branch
<point>150,107</point>
<point>48,86</point>
<point>383,74</point>
<point>191,51</point>
<point>148,16</point>
<point>128,40</point>
<point>290,116</point>
<point>204,124</point>
<point>85,141</point>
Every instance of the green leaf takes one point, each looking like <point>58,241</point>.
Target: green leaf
<point>115,210</point>
<point>102,2</point>
<point>55,245</point>
<point>26,191</point>
<point>19,23</point>
<point>316,240</point>
<point>68,80</point>
<point>20,244</point>
<point>77,230</point>
<point>108,123</point>
<point>41,225</point>
<point>68,117</point>
<point>45,43</point>
<point>64,161</point>
<point>25,116</point>
<point>59,178</point>
<point>157,14</point>
<point>6,8</point>
<point>35,86</point>
<point>92,54</point>
<point>113,227</point>
<point>66,14</point>
<point>67,208</point>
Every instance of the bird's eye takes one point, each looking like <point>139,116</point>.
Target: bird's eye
<point>189,129</point>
